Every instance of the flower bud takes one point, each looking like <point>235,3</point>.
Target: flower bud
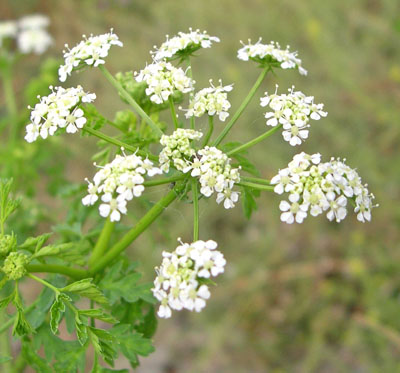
<point>14,265</point>
<point>7,244</point>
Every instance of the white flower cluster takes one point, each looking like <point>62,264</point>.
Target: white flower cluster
<point>293,111</point>
<point>60,109</point>
<point>211,100</point>
<point>178,284</point>
<point>90,51</point>
<point>30,31</point>
<point>177,149</point>
<point>118,182</point>
<point>315,187</point>
<point>162,79</point>
<point>216,174</point>
<point>271,53</point>
<point>182,43</point>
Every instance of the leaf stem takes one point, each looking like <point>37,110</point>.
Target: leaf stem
<point>138,229</point>
<point>173,112</point>
<point>255,180</point>
<point>210,130</point>
<point>130,99</point>
<point>102,242</point>
<point>119,143</point>
<point>242,107</point>
<point>269,188</point>
<point>43,282</point>
<point>195,196</point>
<point>190,75</point>
<point>166,180</point>
<point>255,141</point>
<point>55,268</point>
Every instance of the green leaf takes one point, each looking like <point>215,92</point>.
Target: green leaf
<point>103,343</point>
<point>99,314</point>
<point>248,202</point>
<point>35,242</point>
<point>81,331</point>
<point>52,250</point>
<point>33,359</point>
<point>21,325</point>
<point>6,301</point>
<point>85,288</point>
<point>7,204</point>
<point>149,324</point>
<point>56,313</point>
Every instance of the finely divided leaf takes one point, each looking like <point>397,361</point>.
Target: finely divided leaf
<point>85,288</point>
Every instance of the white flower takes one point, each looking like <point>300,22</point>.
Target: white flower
<point>162,80</point>
<point>60,109</point>
<point>212,100</point>
<point>178,284</point>
<point>293,111</point>
<point>316,187</point>
<point>34,41</point>
<point>183,43</point>
<point>118,182</point>
<point>8,29</point>
<point>34,21</point>
<point>89,52</point>
<point>271,54</point>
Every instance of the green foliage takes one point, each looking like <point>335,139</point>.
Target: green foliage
<point>86,288</point>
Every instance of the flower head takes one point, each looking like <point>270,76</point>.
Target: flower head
<point>162,79</point>
<point>60,109</point>
<point>180,278</point>
<point>8,29</point>
<point>316,187</point>
<point>212,100</point>
<point>89,52</point>
<point>183,44</point>
<point>177,149</point>
<point>271,55</point>
<point>118,182</point>
<point>7,244</point>
<point>14,265</point>
<point>294,112</point>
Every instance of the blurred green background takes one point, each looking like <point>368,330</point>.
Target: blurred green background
<point>315,297</point>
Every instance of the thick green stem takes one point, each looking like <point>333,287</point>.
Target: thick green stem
<point>120,144</point>
<point>195,196</point>
<point>210,130</point>
<point>269,188</point>
<point>74,273</point>
<point>138,229</point>
<point>255,180</point>
<point>102,242</point>
<point>173,112</point>
<point>166,180</point>
<point>255,141</point>
<point>130,99</point>
<point>242,107</point>
<point>5,347</point>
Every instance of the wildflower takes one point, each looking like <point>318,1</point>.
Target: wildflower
<point>212,100</point>
<point>162,80</point>
<point>14,265</point>
<point>177,149</point>
<point>8,29</point>
<point>293,111</point>
<point>117,183</point>
<point>33,36</point>
<point>316,187</point>
<point>7,244</point>
<point>183,44</point>
<point>271,55</point>
<point>60,109</point>
<point>89,52</point>
<point>180,278</point>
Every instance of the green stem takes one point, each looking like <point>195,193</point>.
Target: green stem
<point>102,242</point>
<point>130,99</point>
<point>138,229</point>
<point>255,141</point>
<point>195,196</point>
<point>256,186</point>
<point>166,180</point>
<point>255,180</point>
<point>242,107</point>
<point>173,112</point>
<point>43,282</point>
<point>74,273</point>
<point>5,346</point>
<point>119,143</point>
<point>210,130</point>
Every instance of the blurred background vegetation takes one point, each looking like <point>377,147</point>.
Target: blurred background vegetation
<point>315,297</point>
